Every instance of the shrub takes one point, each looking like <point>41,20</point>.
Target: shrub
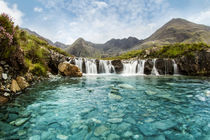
<point>39,70</point>
<point>7,33</point>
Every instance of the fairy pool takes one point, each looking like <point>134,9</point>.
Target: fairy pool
<point>110,107</point>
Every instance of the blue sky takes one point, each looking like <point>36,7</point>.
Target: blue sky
<point>100,20</point>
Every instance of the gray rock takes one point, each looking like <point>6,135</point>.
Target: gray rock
<point>4,76</point>
<point>113,137</point>
<point>6,94</point>
<point>100,130</point>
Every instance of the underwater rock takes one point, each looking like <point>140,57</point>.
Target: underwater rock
<point>100,130</point>
<point>3,100</point>
<point>62,137</point>
<point>114,96</point>
<point>113,137</point>
<point>115,120</point>
<point>21,121</point>
<point>126,86</point>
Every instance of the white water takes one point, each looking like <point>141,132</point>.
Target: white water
<point>154,70</point>
<point>91,67</point>
<point>133,67</point>
<point>175,67</point>
<point>106,67</point>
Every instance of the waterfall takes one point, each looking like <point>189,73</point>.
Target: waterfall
<point>89,66</point>
<point>175,67</point>
<point>106,67</point>
<point>140,67</point>
<point>129,67</point>
<point>154,70</point>
<point>78,63</point>
<point>133,67</point>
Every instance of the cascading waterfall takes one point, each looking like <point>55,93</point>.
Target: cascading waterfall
<point>140,67</point>
<point>133,67</point>
<point>91,67</point>
<point>106,67</point>
<point>175,67</point>
<point>154,70</point>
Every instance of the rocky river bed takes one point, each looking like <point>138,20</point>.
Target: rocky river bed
<point>110,107</point>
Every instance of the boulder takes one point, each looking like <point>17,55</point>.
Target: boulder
<point>67,69</point>
<point>148,67</point>
<point>3,100</point>
<point>22,82</point>
<point>118,66</point>
<point>14,86</point>
<point>164,66</point>
<point>29,77</point>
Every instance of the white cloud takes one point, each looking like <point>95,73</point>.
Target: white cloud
<point>12,11</point>
<point>38,9</point>
<point>202,18</point>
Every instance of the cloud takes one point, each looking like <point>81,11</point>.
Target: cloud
<point>99,21</point>
<point>12,11</point>
<point>38,9</point>
<point>202,18</point>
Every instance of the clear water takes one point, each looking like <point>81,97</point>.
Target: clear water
<point>111,107</point>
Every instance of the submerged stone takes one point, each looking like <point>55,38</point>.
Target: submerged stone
<point>126,86</point>
<point>113,137</point>
<point>148,129</point>
<point>62,137</point>
<point>114,96</point>
<point>160,137</point>
<point>100,130</point>
<point>21,121</point>
<point>164,124</point>
<point>115,120</point>
<point>127,134</point>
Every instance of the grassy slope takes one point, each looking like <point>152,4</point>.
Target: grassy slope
<point>36,52</point>
<point>167,51</point>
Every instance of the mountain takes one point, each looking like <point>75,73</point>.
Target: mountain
<point>110,48</point>
<point>82,48</point>
<point>177,30</point>
<point>60,45</point>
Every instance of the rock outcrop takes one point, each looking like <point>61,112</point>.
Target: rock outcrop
<point>195,65</point>
<point>118,66</point>
<point>67,69</point>
<point>164,66</point>
<point>148,67</point>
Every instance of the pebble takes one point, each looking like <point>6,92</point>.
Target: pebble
<point>4,76</point>
<point>207,93</point>
<point>35,137</point>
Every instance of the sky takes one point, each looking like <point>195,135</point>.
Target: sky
<point>101,20</point>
